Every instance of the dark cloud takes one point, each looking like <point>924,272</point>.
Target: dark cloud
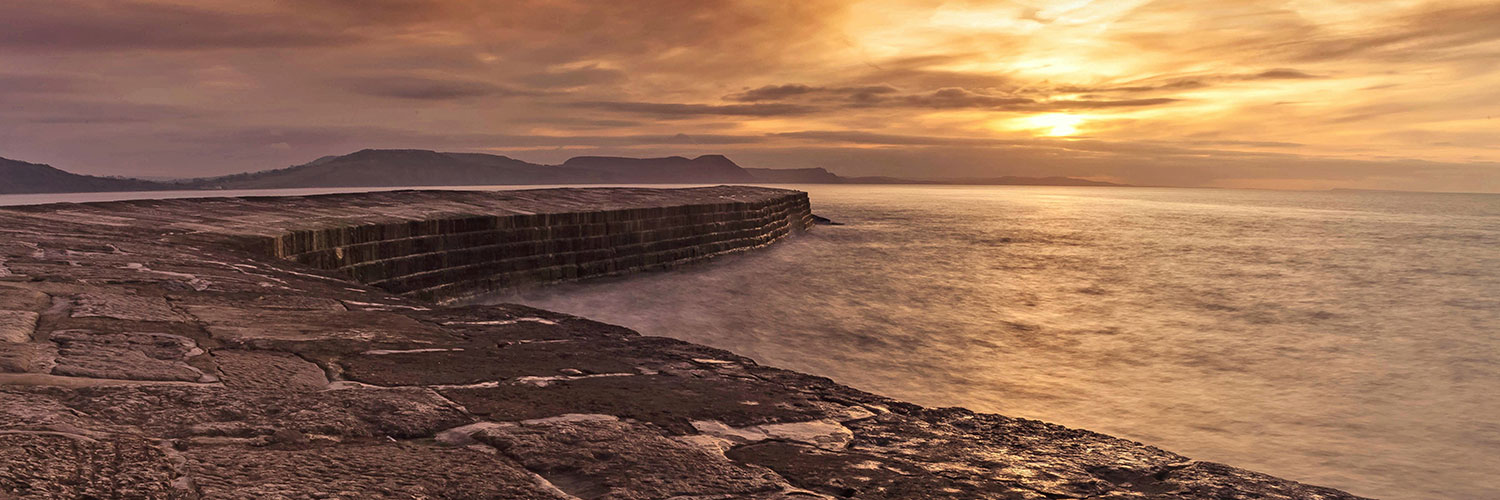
<point>427,89</point>
<point>885,96</point>
<point>782,92</point>
<point>1102,104</point>
<point>950,98</point>
<point>1280,74</point>
<point>120,25</point>
<point>676,109</point>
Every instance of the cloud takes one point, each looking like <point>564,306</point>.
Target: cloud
<point>885,96</point>
<point>677,109</point>
<point>782,92</point>
<point>39,84</point>
<point>1436,28</point>
<point>572,78</point>
<point>126,24</point>
<point>218,85</point>
<point>427,89</point>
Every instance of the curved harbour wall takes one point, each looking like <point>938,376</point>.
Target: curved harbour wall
<point>448,258</point>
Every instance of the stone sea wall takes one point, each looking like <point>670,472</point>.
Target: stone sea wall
<point>444,259</point>
<point>222,348</point>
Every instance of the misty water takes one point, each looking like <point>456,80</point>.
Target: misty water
<point>1346,339</point>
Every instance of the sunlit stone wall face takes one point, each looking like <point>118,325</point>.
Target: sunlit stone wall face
<point>452,258</point>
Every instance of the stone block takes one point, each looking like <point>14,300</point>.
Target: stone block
<point>598,456</point>
<point>125,307</point>
<point>17,326</point>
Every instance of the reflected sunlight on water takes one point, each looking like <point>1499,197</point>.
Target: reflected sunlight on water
<point>1345,339</point>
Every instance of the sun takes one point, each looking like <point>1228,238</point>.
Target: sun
<point>1054,124</point>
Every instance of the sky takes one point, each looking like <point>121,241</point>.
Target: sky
<point>1289,94</point>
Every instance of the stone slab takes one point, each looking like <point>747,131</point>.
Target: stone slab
<point>602,457</point>
<point>277,328</point>
<point>52,465</point>
<point>667,401</point>
<point>360,469</point>
<point>30,357</point>
<point>14,298</point>
<point>269,370</point>
<point>17,326</point>
<point>125,307</point>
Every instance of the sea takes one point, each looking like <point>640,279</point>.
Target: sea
<point>1342,338</point>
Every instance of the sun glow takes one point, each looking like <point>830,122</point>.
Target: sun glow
<point>1054,124</point>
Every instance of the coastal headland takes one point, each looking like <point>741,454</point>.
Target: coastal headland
<point>304,347</point>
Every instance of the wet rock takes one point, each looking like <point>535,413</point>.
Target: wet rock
<point>827,434</point>
<point>1211,480</point>
<point>608,458</point>
<point>484,363</point>
<point>269,370</point>
<point>16,326</point>
<point>824,221</point>
<point>852,474</point>
<point>670,402</point>
<point>361,469</point>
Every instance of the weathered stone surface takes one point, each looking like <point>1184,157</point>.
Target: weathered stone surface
<point>29,410</point>
<point>126,307</point>
<point>254,297</point>
<point>16,326</point>
<point>14,298</point>
<point>855,474</point>
<point>476,363</point>
<point>357,470</point>
<point>597,456</point>
<point>132,356</point>
<point>668,401</point>
<point>259,301</point>
<point>181,412</point>
<point>286,329</point>
<point>269,370</point>
<point>49,465</point>
<point>31,357</point>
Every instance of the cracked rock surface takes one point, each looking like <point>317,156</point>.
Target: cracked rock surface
<point>147,352</point>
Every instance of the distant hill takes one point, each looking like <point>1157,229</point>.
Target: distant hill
<point>19,177</point>
<point>675,169</point>
<point>415,167</point>
<point>795,176</point>
<point>400,167</point>
<point>1009,180</point>
<point>409,167</point>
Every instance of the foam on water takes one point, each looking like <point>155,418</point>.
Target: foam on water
<point>1344,339</point>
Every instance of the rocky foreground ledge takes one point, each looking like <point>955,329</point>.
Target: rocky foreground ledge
<point>236,348</point>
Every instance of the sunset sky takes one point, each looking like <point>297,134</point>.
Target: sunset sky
<point>1304,94</point>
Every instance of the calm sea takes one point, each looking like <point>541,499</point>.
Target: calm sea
<point>1346,339</point>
